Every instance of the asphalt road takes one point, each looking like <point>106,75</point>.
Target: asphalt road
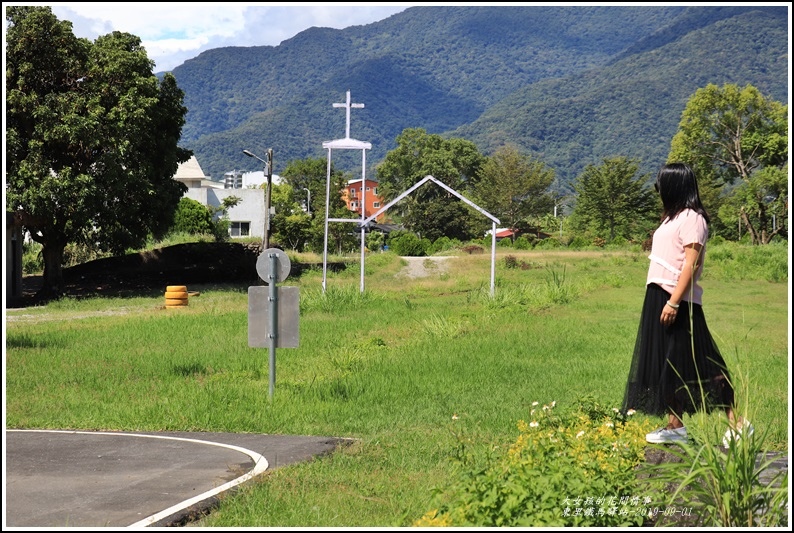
<point>114,479</point>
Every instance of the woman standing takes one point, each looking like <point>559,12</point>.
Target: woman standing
<point>677,367</point>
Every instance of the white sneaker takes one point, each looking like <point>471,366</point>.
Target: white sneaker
<point>736,434</point>
<point>664,435</point>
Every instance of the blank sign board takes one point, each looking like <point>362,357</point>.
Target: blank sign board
<point>287,313</point>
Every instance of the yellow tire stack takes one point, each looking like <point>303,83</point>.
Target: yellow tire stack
<point>176,296</point>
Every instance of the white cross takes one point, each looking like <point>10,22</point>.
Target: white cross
<point>348,105</point>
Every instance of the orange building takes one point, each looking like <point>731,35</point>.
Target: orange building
<point>354,196</point>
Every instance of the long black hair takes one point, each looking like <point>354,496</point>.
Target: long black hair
<point>678,188</point>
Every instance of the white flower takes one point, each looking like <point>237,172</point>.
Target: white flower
<point>616,409</point>
<point>533,424</point>
<point>609,425</point>
<point>455,417</point>
<point>534,404</point>
<point>545,407</point>
<point>554,403</point>
<point>580,434</point>
<point>532,412</point>
<point>630,412</point>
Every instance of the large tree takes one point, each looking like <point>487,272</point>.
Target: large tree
<point>91,139</point>
<point>431,211</point>
<point>727,134</point>
<point>513,186</point>
<point>613,201</point>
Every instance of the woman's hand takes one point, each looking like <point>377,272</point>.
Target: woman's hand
<point>668,315</point>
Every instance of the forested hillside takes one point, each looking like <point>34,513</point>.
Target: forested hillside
<point>570,84</point>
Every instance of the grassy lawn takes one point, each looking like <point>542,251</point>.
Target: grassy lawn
<point>416,370</point>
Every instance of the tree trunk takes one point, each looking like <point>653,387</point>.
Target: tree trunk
<point>52,280</point>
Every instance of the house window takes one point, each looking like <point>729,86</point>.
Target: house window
<point>367,188</point>
<point>375,205</point>
<point>353,205</point>
<point>240,229</point>
<point>375,190</point>
<point>353,193</point>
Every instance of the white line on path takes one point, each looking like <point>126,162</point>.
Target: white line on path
<point>260,465</point>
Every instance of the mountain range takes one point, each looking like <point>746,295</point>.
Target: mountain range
<point>570,85</point>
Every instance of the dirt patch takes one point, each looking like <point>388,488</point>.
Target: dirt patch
<point>421,267</point>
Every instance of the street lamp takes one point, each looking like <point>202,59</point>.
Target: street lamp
<point>308,201</point>
<point>268,171</point>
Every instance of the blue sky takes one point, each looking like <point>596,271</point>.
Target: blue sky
<point>174,32</point>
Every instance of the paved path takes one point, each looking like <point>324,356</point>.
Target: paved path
<point>114,479</point>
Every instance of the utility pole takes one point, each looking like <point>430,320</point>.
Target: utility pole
<point>268,172</point>
<point>269,166</point>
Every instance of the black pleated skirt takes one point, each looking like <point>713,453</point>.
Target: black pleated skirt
<point>678,368</point>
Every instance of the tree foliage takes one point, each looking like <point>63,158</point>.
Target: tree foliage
<point>514,187</point>
<point>192,217</point>
<point>431,211</point>
<point>91,139</point>
<point>614,201</point>
<point>727,134</point>
<point>313,174</point>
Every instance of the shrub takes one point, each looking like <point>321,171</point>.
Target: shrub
<point>409,244</point>
<point>549,242</point>
<point>192,217</point>
<point>32,260</point>
<point>578,242</point>
<point>576,469</point>
<point>522,243</point>
<point>442,244</point>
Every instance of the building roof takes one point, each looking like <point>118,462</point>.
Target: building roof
<point>190,170</point>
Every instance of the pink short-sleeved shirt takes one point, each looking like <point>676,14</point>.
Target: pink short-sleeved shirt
<point>667,252</point>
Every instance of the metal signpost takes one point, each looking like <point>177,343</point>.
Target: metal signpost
<point>275,308</point>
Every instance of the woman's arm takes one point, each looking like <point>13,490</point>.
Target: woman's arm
<point>691,263</point>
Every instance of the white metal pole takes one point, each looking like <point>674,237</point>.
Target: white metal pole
<point>493,256</point>
<point>363,212</point>
<point>327,203</point>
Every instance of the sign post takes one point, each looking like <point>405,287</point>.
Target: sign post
<point>275,308</point>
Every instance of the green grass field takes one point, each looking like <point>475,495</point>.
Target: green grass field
<point>413,369</point>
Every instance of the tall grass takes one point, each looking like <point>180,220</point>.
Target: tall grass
<point>411,369</point>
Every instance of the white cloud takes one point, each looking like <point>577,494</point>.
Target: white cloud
<point>175,32</point>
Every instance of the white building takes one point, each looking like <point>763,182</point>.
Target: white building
<point>247,217</point>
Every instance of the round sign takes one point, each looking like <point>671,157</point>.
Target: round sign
<point>265,261</point>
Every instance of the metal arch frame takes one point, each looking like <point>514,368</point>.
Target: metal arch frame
<point>364,221</point>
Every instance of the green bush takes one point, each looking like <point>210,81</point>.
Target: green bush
<point>548,243</point>
<point>32,260</point>
<point>522,243</point>
<point>443,244</point>
<point>579,242</point>
<point>409,244</point>
<point>573,469</point>
<point>192,217</point>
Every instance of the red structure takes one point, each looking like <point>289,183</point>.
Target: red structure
<point>354,197</point>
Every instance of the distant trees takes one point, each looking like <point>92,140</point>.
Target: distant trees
<point>514,187</point>
<point>292,225</point>
<point>613,201</point>
<point>732,133</point>
<point>431,211</point>
<point>92,139</point>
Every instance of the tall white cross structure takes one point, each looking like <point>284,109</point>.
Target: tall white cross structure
<point>347,105</point>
